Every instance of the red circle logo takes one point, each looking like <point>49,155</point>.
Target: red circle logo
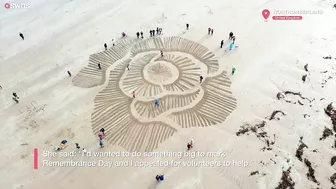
<point>7,5</point>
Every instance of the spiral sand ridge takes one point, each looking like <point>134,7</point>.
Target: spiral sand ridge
<point>135,123</point>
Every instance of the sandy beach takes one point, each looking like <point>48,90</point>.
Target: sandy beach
<point>270,125</point>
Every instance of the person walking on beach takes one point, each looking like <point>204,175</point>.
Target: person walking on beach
<point>222,43</point>
<point>231,46</point>
<point>141,33</point>
<point>100,135</point>
<point>201,79</point>
<point>161,53</point>
<point>99,66</point>
<point>105,45</point>
<point>128,67</point>
<point>209,31</point>
<point>230,35</point>
<point>77,146</point>
<point>102,130</point>
<point>113,43</point>
<point>188,146</point>
<point>187,26</point>
<point>233,70</point>
<point>101,143</point>
<point>156,102</point>
<point>21,35</point>
<point>84,151</point>
<point>159,177</point>
<point>69,73</point>
<point>133,94</point>
<point>15,96</point>
<point>212,31</point>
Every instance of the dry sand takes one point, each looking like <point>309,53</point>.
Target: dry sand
<point>280,67</point>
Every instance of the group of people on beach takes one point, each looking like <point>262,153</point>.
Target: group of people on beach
<point>158,32</point>
<point>152,33</point>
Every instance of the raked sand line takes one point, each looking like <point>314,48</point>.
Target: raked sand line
<point>147,109</point>
<point>179,44</point>
<point>112,112</point>
<point>133,80</point>
<point>91,76</point>
<point>189,73</point>
<point>215,106</point>
<point>174,78</point>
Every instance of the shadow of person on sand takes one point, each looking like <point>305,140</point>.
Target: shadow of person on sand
<point>154,185</point>
<point>203,39</point>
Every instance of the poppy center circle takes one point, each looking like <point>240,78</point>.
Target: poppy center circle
<point>161,72</point>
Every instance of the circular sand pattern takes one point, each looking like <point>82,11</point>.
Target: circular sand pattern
<point>161,72</point>
<point>137,124</point>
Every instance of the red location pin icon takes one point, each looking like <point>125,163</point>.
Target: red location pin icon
<point>265,13</point>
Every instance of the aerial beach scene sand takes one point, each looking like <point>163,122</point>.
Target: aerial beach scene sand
<point>158,94</point>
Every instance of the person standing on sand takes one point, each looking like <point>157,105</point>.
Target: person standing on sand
<point>187,26</point>
<point>230,35</point>
<point>231,46</point>
<point>105,45</point>
<point>84,151</point>
<point>100,135</point>
<point>209,31</point>
<point>222,43</point>
<point>138,34</point>
<point>212,31</point>
<point>69,73</point>
<point>233,39</point>
<point>156,102</point>
<point>15,96</point>
<point>133,94</point>
<point>157,30</point>
<point>233,70</point>
<point>128,67</point>
<point>188,146</point>
<point>201,79</point>
<point>141,33</point>
<point>77,146</point>
<point>99,66</point>
<point>102,130</point>
<point>21,35</point>
<point>161,53</point>
<point>101,143</point>
<point>151,33</point>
